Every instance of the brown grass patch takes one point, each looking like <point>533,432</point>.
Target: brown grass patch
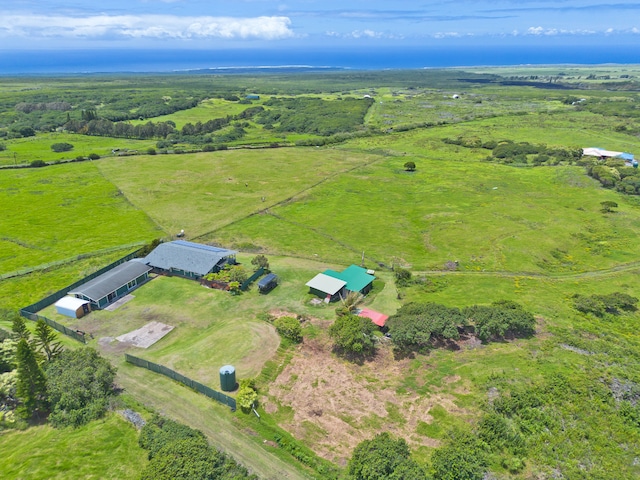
<point>347,403</point>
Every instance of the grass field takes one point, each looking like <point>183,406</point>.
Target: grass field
<point>532,235</point>
<point>103,449</point>
<point>205,191</point>
<point>22,151</point>
<point>62,211</point>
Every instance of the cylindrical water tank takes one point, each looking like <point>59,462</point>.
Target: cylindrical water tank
<point>228,378</point>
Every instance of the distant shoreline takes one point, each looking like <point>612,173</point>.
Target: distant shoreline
<point>127,61</point>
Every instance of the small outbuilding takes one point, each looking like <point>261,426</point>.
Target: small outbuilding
<point>73,307</point>
<point>268,283</point>
<point>326,286</point>
<point>376,317</point>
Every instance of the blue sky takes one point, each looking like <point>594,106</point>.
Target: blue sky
<point>82,24</point>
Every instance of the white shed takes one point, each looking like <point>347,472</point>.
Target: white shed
<point>73,307</point>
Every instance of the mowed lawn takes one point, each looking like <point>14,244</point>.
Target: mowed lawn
<point>212,327</point>
<point>204,191</point>
<point>105,448</point>
<point>62,211</point>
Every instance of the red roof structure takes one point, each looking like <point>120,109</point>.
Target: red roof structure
<point>376,317</point>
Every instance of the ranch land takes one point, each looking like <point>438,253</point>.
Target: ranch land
<point>315,179</point>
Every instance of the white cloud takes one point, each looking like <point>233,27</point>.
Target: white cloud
<point>367,33</point>
<point>146,26</point>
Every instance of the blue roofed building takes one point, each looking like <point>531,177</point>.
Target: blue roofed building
<point>189,259</point>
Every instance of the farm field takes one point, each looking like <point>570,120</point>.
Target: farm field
<point>516,231</point>
<point>62,211</point>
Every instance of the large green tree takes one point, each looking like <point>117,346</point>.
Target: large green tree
<point>31,386</point>
<point>353,334</point>
<point>79,383</point>
<point>383,458</point>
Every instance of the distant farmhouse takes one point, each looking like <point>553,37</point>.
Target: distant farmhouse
<point>332,285</point>
<point>603,154</point>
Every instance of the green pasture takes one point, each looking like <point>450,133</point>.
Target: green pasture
<point>534,235</point>
<point>485,216</point>
<point>58,212</point>
<point>207,110</point>
<point>105,448</point>
<point>21,151</point>
<point>204,191</point>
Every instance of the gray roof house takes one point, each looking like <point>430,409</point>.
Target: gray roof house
<point>111,285</point>
<point>188,259</point>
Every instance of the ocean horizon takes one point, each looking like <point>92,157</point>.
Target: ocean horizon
<point>35,62</point>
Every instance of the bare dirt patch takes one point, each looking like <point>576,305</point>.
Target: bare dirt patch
<point>145,336</point>
<point>338,404</point>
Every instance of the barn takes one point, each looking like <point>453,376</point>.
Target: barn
<point>357,279</point>
<point>332,285</point>
<point>112,285</point>
<point>188,259</point>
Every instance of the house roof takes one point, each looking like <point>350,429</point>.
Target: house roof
<point>110,281</point>
<point>70,303</point>
<point>376,317</point>
<point>326,284</point>
<point>356,278</point>
<point>187,256</point>
<point>601,152</point>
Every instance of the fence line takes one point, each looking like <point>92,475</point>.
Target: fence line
<point>197,386</point>
<point>54,297</point>
<point>249,280</point>
<point>57,263</point>
<point>30,310</point>
<point>75,334</point>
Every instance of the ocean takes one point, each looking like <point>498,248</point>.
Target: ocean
<point>136,61</point>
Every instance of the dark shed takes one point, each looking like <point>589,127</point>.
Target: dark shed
<point>268,283</point>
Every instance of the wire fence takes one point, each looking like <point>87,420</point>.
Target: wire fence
<point>58,263</point>
<point>197,386</point>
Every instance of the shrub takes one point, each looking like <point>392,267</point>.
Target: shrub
<point>38,163</point>
<point>410,167</point>
<point>3,147</point>
<point>246,398</point>
<point>403,276</point>
<point>260,261</point>
<point>289,327</point>
<point>61,147</point>
<point>93,156</point>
